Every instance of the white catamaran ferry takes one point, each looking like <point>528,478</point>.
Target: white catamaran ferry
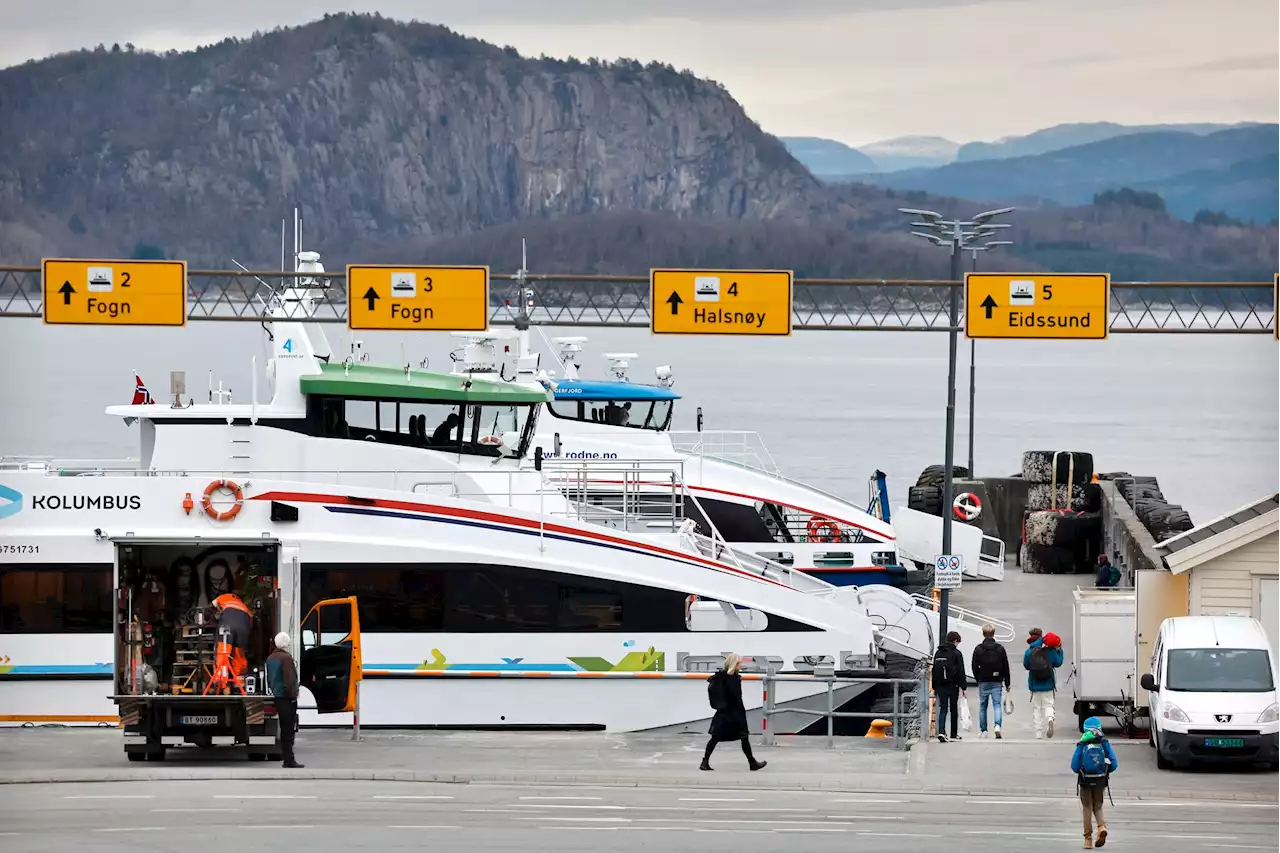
<point>412,492</point>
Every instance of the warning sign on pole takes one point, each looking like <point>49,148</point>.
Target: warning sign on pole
<point>947,571</point>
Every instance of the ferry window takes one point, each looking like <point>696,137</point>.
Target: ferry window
<point>430,424</point>
<point>55,598</point>
<point>569,410</point>
<point>659,415</point>
<point>362,418</point>
<point>390,597</point>
<point>468,598</point>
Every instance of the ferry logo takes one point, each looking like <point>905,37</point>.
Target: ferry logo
<point>10,502</point>
<point>1022,293</point>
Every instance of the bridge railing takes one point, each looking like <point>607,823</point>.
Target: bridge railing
<point>623,300</point>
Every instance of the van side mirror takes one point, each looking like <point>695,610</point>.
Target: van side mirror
<point>1148,683</point>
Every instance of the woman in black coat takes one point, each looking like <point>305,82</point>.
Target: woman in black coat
<point>730,721</point>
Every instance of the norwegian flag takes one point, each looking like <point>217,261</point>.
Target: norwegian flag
<point>141,396</point>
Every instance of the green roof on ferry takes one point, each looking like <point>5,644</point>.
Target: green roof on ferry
<point>380,382</point>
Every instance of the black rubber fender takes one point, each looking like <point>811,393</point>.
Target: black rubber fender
<point>925,499</point>
<point>935,475</point>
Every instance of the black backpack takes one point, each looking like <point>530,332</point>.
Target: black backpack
<point>943,676</point>
<point>987,663</point>
<point>715,691</point>
<point>1039,666</point>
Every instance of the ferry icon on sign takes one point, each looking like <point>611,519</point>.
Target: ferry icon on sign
<point>404,285</point>
<point>100,279</point>
<point>1022,292</point>
<point>706,288</point>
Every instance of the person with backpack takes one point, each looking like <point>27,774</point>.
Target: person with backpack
<point>1040,661</point>
<point>1093,762</point>
<point>724,692</point>
<point>991,671</point>
<point>948,683</point>
<point>1108,574</point>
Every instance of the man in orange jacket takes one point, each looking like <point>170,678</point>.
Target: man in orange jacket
<point>235,621</point>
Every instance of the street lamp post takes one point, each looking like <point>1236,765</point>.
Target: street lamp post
<point>973,347</point>
<point>957,235</point>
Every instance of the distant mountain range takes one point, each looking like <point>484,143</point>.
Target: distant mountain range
<point>1235,171</point>
<point>828,157</point>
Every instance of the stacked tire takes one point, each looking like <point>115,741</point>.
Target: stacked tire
<point>926,495</point>
<point>1162,519</point>
<point>1062,526</point>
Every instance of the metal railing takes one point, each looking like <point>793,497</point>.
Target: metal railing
<point>1126,537</point>
<point>736,447</point>
<point>956,613</point>
<point>818,303</point>
<point>909,718</point>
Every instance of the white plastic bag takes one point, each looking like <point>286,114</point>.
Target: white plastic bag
<point>1008,704</point>
<point>966,721</point>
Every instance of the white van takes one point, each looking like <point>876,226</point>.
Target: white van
<point>1213,692</point>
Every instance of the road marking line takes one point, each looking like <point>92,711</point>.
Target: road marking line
<point>278,826</point>
<point>582,819</point>
<point>1016,802</point>
<point>562,798</point>
<point>1234,846</point>
<point>1197,837</point>
<point>132,829</point>
<point>1141,820</point>
<point>809,829</point>
<point>1021,833</point>
<point>864,817</point>
<point>184,811</point>
<point>566,806</point>
<point>496,811</point>
<point>421,826</point>
<point>717,800</point>
<point>111,797</point>
<point>8,834</point>
<point>412,797</point>
<point>897,834</point>
<point>751,831</point>
<point>739,822</point>
<point>264,796</point>
<point>872,802</point>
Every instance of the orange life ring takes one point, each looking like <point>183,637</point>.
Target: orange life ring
<point>227,514</point>
<point>816,529</point>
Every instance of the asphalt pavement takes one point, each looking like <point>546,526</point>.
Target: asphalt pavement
<point>343,815</point>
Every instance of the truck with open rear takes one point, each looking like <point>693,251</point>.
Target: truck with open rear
<point>166,635</point>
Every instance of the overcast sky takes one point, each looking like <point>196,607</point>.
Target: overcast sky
<point>854,70</point>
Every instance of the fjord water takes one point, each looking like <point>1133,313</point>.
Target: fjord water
<point>1197,411</point>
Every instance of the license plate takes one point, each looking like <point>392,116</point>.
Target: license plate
<point>1223,742</point>
<point>200,720</point>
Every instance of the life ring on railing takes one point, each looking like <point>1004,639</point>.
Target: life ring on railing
<point>227,514</point>
<point>490,440</point>
<point>823,530</point>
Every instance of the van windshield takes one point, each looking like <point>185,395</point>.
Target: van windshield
<point>1219,671</point>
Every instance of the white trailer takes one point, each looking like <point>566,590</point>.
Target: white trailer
<point>1104,670</point>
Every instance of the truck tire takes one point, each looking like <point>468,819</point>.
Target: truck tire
<point>136,756</point>
<point>1047,560</point>
<point>925,499</point>
<point>1037,466</point>
<point>1064,529</point>
<point>1041,496</point>
<point>935,475</point>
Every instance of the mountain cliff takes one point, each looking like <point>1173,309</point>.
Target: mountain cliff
<point>380,129</point>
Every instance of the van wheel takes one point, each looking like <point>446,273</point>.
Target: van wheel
<point>1162,763</point>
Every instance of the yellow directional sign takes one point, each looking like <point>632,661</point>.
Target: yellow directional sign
<point>423,298</point>
<point>1037,305</point>
<point>115,293</point>
<point>720,302</point>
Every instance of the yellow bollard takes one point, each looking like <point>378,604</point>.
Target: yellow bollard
<point>879,728</point>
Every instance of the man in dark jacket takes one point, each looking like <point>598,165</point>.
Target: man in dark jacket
<point>991,670</point>
<point>282,678</point>
<point>948,682</point>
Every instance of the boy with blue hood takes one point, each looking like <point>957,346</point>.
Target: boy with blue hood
<point>1093,763</point>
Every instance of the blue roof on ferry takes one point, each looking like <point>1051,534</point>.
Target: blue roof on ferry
<point>591,389</point>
